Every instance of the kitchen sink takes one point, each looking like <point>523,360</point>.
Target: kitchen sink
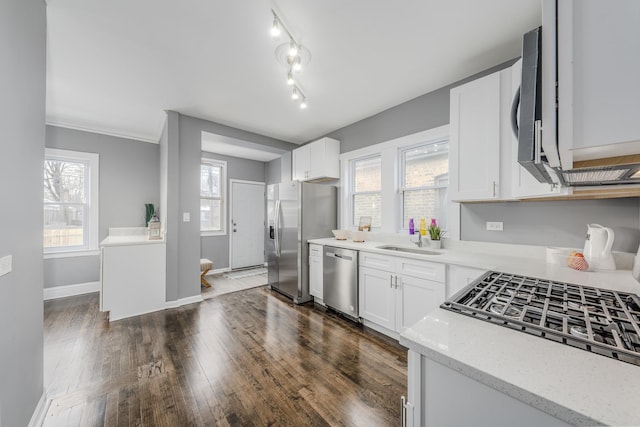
<point>410,250</point>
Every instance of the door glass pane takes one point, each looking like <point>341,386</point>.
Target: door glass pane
<point>367,205</point>
<point>64,181</point>
<point>210,217</point>
<point>367,175</point>
<point>63,225</point>
<point>209,181</point>
<point>423,165</point>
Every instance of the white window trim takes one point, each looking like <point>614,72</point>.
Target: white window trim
<point>93,186</point>
<point>352,193</point>
<point>223,198</point>
<point>389,151</point>
<point>401,171</point>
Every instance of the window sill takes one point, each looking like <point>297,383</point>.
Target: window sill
<point>71,254</point>
<point>212,233</point>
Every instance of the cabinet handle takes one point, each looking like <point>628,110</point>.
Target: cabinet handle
<point>494,189</point>
<point>396,282</point>
<point>403,410</point>
<point>391,281</point>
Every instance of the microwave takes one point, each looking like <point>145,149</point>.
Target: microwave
<point>541,157</point>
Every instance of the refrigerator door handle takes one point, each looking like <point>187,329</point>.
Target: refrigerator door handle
<point>277,228</point>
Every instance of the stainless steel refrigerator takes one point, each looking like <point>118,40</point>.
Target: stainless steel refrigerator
<point>296,212</point>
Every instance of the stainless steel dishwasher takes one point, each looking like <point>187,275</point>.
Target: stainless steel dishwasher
<point>340,280</point>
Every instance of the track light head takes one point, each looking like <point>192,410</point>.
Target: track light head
<point>295,94</point>
<point>290,80</point>
<point>293,49</point>
<point>275,28</point>
<point>303,104</point>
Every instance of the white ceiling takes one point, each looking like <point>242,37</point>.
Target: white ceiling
<point>115,66</point>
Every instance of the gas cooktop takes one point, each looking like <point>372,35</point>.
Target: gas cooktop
<point>597,320</point>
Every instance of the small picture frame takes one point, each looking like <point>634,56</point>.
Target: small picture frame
<point>365,223</point>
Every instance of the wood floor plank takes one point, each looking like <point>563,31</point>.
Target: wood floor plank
<point>244,358</point>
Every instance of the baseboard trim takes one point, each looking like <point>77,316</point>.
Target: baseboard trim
<point>37,419</point>
<point>184,301</point>
<point>219,270</point>
<point>70,290</point>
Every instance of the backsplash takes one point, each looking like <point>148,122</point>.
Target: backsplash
<point>561,223</point>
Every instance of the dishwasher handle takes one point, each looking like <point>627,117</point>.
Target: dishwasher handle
<point>335,255</point>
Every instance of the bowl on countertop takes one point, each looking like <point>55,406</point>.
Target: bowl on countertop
<point>358,236</point>
<point>340,234</point>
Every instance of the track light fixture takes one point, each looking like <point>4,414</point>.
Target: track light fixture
<point>291,54</point>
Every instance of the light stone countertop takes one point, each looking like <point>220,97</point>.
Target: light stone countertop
<point>576,386</point>
<point>123,236</point>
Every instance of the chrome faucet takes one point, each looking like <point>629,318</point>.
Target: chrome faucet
<point>419,242</point>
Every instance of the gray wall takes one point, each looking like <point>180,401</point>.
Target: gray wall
<point>273,171</point>
<point>216,248</point>
<point>424,112</point>
<point>22,135</point>
<point>129,178</point>
<point>183,247</point>
<point>561,223</point>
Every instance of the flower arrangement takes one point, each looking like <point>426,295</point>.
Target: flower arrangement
<point>435,233</point>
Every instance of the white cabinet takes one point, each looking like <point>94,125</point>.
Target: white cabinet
<point>133,279</point>
<point>459,276</point>
<point>315,270</point>
<point>396,292</point>
<point>474,144</point>
<point>597,76</point>
<point>483,150</point>
<point>317,161</point>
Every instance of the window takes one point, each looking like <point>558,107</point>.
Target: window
<point>366,190</point>
<point>424,179</point>
<point>212,192</point>
<point>70,201</point>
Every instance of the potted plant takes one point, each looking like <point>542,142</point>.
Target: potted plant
<point>435,234</point>
<point>150,211</point>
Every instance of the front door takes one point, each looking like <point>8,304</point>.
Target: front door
<point>247,223</point>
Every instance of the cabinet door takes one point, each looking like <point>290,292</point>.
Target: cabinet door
<point>598,72</point>
<point>474,145</point>
<point>315,270</point>
<point>301,163</point>
<point>415,299</point>
<point>377,297</point>
<point>458,277</point>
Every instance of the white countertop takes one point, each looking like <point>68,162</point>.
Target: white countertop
<point>128,236</point>
<point>571,384</point>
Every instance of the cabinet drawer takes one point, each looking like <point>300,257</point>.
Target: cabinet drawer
<point>422,269</point>
<point>377,261</point>
<point>315,250</point>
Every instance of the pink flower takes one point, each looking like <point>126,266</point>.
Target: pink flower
<point>433,222</point>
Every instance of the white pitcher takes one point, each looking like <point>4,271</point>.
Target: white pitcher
<point>597,247</point>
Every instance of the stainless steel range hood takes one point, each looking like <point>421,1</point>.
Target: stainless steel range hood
<point>609,171</point>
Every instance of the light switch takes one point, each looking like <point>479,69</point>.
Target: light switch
<point>186,217</point>
<point>5,265</point>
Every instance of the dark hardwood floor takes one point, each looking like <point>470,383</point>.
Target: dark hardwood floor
<point>240,359</point>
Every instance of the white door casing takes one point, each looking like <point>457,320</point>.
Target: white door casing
<point>246,223</point>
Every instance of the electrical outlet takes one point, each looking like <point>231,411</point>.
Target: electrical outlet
<point>186,217</point>
<point>5,265</point>
<point>494,226</point>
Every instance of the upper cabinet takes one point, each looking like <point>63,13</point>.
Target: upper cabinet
<point>483,149</point>
<point>317,161</point>
<point>474,144</point>
<point>598,69</point>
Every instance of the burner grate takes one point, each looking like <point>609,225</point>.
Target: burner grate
<point>597,320</point>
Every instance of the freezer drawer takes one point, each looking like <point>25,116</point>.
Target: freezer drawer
<point>340,280</point>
